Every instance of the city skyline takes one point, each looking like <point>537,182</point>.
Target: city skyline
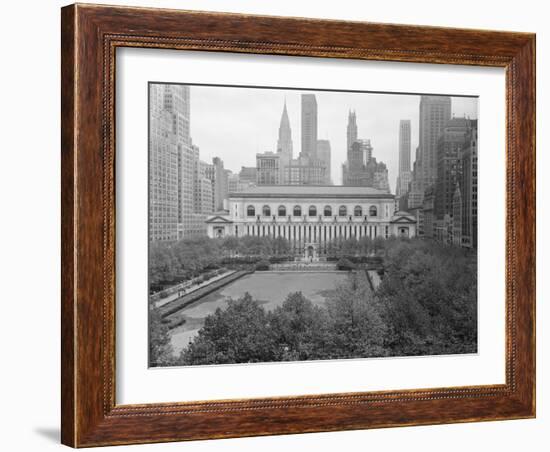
<point>248,119</point>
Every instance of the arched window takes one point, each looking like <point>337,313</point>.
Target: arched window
<point>250,211</point>
<point>328,211</point>
<point>312,211</point>
<point>342,211</point>
<point>297,211</point>
<point>373,211</point>
<point>266,211</point>
<point>282,211</point>
<point>357,211</point>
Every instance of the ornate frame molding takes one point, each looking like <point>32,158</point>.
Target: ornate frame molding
<point>90,37</point>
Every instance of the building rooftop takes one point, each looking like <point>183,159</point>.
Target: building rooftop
<point>311,191</point>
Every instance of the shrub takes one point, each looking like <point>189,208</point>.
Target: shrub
<point>263,265</point>
<point>345,264</point>
<point>281,258</point>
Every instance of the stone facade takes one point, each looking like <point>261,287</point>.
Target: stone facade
<point>312,216</point>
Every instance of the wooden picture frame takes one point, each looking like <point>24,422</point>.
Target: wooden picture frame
<point>90,35</point>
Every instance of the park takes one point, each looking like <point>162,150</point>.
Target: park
<point>365,298</point>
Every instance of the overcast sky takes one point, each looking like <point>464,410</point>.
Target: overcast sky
<point>235,123</point>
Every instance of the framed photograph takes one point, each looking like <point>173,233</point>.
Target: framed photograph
<point>281,225</point>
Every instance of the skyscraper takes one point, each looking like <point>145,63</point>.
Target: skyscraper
<point>284,147</point>
<point>284,143</point>
<point>450,143</point>
<point>435,111</point>
<point>468,186</point>
<point>177,103</point>
<point>352,129</point>
<point>323,154</point>
<point>361,169</point>
<point>355,169</point>
<point>309,126</point>
<point>163,170</point>
<point>404,145</point>
<point>379,176</point>
<point>268,167</point>
<point>171,161</point>
<point>404,175</point>
<point>220,184</point>
<point>203,193</point>
<point>308,168</point>
<point>457,217</point>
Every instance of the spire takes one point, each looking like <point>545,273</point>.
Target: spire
<point>284,116</point>
<point>284,143</point>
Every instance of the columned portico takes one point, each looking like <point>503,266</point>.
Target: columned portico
<point>310,217</point>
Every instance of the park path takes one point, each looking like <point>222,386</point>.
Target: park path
<point>179,294</point>
<point>168,309</point>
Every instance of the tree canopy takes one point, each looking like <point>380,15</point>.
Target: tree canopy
<point>426,304</point>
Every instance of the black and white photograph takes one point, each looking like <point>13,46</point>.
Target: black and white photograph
<point>292,224</point>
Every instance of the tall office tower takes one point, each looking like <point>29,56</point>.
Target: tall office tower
<point>284,147</point>
<point>232,182</point>
<point>428,216</point>
<point>309,126</point>
<point>435,111</point>
<point>404,146</point>
<point>197,175</point>
<point>380,177</point>
<point>451,142</point>
<point>268,168</point>
<point>356,170</point>
<point>202,197</point>
<point>163,169</point>
<point>210,173</point>
<point>404,175</point>
<point>456,217</point>
<point>220,185</point>
<point>284,142</point>
<point>352,129</point>
<point>416,193</point>
<point>323,154</point>
<point>468,186</point>
<point>177,103</point>
<point>204,202</point>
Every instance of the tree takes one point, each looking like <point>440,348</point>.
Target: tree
<point>255,246</point>
<point>356,325</point>
<point>350,246</point>
<point>333,248</point>
<point>196,253</point>
<point>238,334</point>
<point>364,245</point>
<point>281,245</point>
<point>429,295</point>
<point>299,329</point>
<point>425,304</point>
<point>230,245</point>
<point>160,347</point>
<point>162,263</point>
<point>378,244</point>
<point>345,265</point>
<point>263,265</point>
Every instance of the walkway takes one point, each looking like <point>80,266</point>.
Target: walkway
<point>209,287</point>
<point>304,267</point>
<point>179,293</point>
